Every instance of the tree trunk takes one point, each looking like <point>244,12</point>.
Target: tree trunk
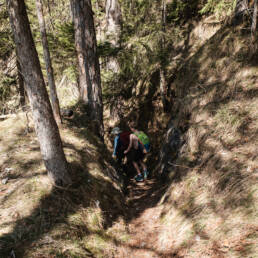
<point>113,31</point>
<point>254,22</point>
<point>20,85</point>
<point>163,88</point>
<point>132,7</point>
<point>45,124</point>
<point>114,21</point>
<point>50,73</point>
<point>88,62</point>
<point>163,84</point>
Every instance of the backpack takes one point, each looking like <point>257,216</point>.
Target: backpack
<point>124,139</point>
<point>144,140</point>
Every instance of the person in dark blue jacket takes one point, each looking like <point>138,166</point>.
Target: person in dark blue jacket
<point>121,142</point>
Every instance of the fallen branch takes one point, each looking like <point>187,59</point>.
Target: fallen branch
<point>7,116</point>
<point>172,164</point>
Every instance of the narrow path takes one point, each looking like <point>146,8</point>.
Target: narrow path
<point>143,220</point>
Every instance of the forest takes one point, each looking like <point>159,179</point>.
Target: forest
<point>78,76</point>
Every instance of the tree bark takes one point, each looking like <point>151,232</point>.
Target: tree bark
<point>163,84</point>
<point>49,68</point>
<point>45,124</point>
<point>254,22</point>
<point>113,31</point>
<point>88,62</point>
<point>20,84</point>
<point>114,21</point>
<point>163,88</point>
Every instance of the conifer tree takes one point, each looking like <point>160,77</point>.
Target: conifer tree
<point>45,124</point>
<point>88,62</point>
<point>163,84</point>
<point>49,69</point>
<point>113,29</point>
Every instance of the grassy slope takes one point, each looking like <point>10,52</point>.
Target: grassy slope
<point>210,208</point>
<point>38,220</point>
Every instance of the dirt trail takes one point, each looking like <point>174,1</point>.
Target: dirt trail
<point>143,218</point>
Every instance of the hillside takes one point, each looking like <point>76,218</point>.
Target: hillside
<point>201,197</point>
<point>39,220</point>
<point>206,203</point>
<point>210,207</point>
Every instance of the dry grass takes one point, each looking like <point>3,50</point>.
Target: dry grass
<point>211,207</point>
<point>38,220</point>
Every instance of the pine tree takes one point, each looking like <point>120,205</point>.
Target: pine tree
<point>45,124</point>
<point>88,62</point>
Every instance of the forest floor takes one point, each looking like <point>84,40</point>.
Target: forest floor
<point>174,218</point>
<point>151,237</point>
<point>143,219</point>
<point>145,226</point>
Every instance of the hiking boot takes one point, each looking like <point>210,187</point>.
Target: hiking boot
<point>145,173</point>
<point>138,178</point>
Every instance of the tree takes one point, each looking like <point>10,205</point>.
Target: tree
<point>88,62</point>
<point>20,84</point>
<point>45,124</point>
<point>113,21</point>
<point>113,30</point>
<point>50,73</point>
<point>163,84</point>
<point>254,21</point>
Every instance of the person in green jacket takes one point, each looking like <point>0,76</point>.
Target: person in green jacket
<point>136,154</point>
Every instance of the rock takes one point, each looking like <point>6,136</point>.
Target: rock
<point>7,170</point>
<point>197,238</point>
<point>5,180</point>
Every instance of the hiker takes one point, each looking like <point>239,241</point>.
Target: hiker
<point>121,143</point>
<point>135,152</point>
